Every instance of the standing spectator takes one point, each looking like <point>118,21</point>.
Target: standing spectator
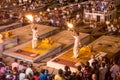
<point>15,73</point>
<point>67,73</point>
<point>36,75</point>
<point>79,75</point>
<point>29,70</point>
<point>1,61</point>
<point>21,66</point>
<point>92,59</point>
<point>2,68</point>
<point>59,76</point>
<point>94,76</point>
<point>47,75</point>
<point>114,70</point>
<point>42,75</point>
<point>15,64</point>
<point>102,71</point>
<point>22,75</point>
<point>118,75</point>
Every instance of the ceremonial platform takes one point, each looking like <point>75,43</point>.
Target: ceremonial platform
<point>8,43</point>
<point>25,33</point>
<point>66,39</point>
<point>61,40</point>
<point>25,51</point>
<point>10,26</point>
<point>105,45</point>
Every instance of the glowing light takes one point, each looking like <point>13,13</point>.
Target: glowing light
<point>30,17</point>
<point>70,25</point>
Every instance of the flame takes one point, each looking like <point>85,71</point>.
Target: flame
<point>70,25</point>
<point>30,17</point>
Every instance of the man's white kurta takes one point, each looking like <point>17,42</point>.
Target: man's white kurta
<point>34,39</point>
<point>76,46</point>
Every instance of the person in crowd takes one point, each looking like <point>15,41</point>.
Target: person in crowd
<point>67,73</point>
<point>92,59</point>
<point>79,75</point>
<point>21,66</point>
<point>118,75</point>
<point>29,70</point>
<point>15,73</point>
<point>42,75</point>
<point>114,70</point>
<point>2,68</point>
<point>1,61</point>
<point>47,75</point>
<point>36,75</point>
<point>59,75</point>
<point>102,71</point>
<point>94,75</point>
<point>22,75</point>
<point>15,64</point>
<point>26,77</point>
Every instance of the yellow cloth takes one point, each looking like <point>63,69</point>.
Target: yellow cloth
<point>85,49</point>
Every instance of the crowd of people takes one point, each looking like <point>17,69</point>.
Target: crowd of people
<point>59,16</point>
<point>101,68</point>
<point>99,5</point>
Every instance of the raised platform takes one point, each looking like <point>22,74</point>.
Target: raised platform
<point>105,45</point>
<point>66,39</point>
<point>25,33</point>
<point>8,43</point>
<point>63,39</point>
<point>25,51</point>
<point>10,26</point>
